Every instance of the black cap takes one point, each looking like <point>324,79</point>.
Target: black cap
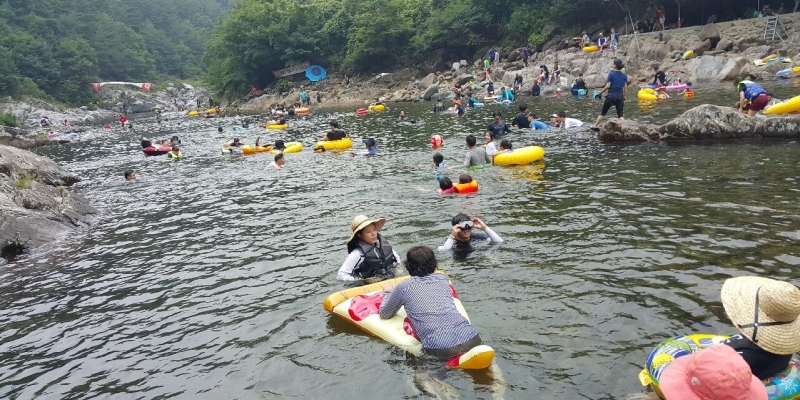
<point>369,142</point>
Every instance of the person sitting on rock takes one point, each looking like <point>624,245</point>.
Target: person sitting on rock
<point>602,42</point>
<point>45,122</point>
<point>490,89</point>
<point>535,89</point>
<point>585,39</point>
<point>660,78</point>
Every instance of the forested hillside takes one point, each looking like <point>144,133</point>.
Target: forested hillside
<point>59,46</point>
<point>378,35</point>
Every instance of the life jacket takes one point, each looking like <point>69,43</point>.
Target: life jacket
<point>173,154</point>
<point>580,83</point>
<point>471,187</point>
<point>377,259</point>
<point>689,93</point>
<point>536,90</point>
<point>752,90</point>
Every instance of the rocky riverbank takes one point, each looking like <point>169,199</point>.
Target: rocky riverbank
<point>722,52</point>
<point>36,207</point>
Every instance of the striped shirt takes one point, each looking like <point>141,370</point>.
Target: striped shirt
<point>431,309</point>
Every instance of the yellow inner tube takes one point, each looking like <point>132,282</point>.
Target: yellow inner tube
<point>345,143</point>
<point>251,149</point>
<point>591,49</point>
<point>277,126</point>
<point>193,113</point>
<point>521,156</point>
<point>647,94</point>
<point>377,107</point>
<point>291,147</point>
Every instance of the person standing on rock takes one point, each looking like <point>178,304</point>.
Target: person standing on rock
<point>755,95</point>
<point>496,58</point>
<point>662,18</point>
<point>526,53</point>
<point>617,88</point>
<point>614,38</point>
<point>492,53</point>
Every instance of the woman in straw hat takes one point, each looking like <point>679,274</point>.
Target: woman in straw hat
<point>370,257</point>
<point>766,313</point>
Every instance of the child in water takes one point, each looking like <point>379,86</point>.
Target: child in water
<point>446,186</point>
<point>370,256</point>
<point>462,235</point>
<point>438,164</point>
<point>688,92</point>
<point>428,302</point>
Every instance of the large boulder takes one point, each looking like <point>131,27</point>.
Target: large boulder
<point>36,206</point>
<point>701,47</point>
<point>463,79</point>
<point>714,68</point>
<point>430,91</point>
<point>724,45</point>
<point>514,55</point>
<point>710,32</point>
<point>653,51</point>
<point>427,81</point>
<point>705,122</point>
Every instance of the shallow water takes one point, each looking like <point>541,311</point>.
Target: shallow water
<point>204,278</point>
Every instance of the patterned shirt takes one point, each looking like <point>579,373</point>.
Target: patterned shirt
<point>431,310</point>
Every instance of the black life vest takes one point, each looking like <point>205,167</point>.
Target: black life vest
<point>377,259</point>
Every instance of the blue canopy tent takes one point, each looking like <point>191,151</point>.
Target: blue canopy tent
<point>316,73</point>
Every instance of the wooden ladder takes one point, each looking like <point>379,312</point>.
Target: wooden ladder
<point>774,28</point>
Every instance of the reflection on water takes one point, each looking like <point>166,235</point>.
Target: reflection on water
<point>204,278</point>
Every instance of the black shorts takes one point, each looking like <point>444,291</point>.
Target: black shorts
<point>616,100</point>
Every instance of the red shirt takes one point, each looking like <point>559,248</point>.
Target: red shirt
<point>123,120</point>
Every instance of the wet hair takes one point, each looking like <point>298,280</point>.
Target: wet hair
<point>219,129</point>
<point>279,145</point>
<point>562,114</point>
<point>497,114</point>
<point>175,148</point>
<point>464,178</point>
<point>445,183</point>
<point>688,83</point>
<point>471,140</point>
<point>146,143</point>
<point>523,107</point>
<point>334,124</point>
<point>505,144</point>
<point>420,261</point>
<point>438,158</point>
<point>278,156</point>
<point>128,173</point>
<point>174,138</point>
<point>619,65</point>
<point>236,139</point>
<point>459,218</point>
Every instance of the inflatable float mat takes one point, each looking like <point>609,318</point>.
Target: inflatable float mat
<point>540,125</point>
<point>277,126</point>
<point>521,156</point>
<point>252,149</point>
<point>361,305</point>
<point>302,111</point>
<point>785,107</point>
<point>341,144</point>
<point>377,108</point>
<point>785,385</point>
<point>788,71</point>
<point>489,98</point>
<point>591,49</point>
<point>291,147</point>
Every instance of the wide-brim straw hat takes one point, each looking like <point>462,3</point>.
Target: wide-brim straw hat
<point>361,221</point>
<point>765,311</point>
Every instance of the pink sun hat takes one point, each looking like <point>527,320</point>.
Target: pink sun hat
<point>715,373</point>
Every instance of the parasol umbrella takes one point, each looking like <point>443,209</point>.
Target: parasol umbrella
<point>315,73</point>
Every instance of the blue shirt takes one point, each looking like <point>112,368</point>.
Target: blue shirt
<point>618,82</point>
<point>752,90</point>
<point>431,309</point>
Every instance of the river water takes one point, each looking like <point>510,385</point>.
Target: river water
<point>204,279</point>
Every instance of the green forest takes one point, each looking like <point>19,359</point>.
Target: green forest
<point>55,48</point>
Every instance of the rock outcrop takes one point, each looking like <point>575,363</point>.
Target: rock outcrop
<point>35,206</point>
<point>705,122</point>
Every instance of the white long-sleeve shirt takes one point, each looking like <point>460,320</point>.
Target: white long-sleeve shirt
<point>353,260</point>
<point>490,236</point>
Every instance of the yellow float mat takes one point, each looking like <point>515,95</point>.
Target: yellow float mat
<point>591,49</point>
<point>785,107</point>
<point>393,330</point>
<point>345,143</point>
<point>277,126</point>
<point>522,156</point>
<point>252,149</point>
<point>291,147</point>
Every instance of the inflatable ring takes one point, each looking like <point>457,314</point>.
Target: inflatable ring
<point>360,305</point>
<point>471,187</point>
<point>212,111</point>
<point>291,147</point>
<point>277,126</point>
<point>362,111</point>
<point>785,107</point>
<point>687,54</point>
<point>591,49</point>
<point>252,149</point>
<point>193,113</point>
<point>302,111</point>
<point>341,144</point>
<point>522,156</point>
<point>782,386</point>
<point>647,94</point>
<point>377,107</point>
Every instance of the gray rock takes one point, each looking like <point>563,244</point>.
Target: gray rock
<point>705,122</point>
<point>426,81</point>
<point>714,68</point>
<point>701,47</point>
<point>514,55</point>
<point>709,31</point>
<point>655,51</point>
<point>430,91</point>
<point>463,79</point>
<point>36,206</point>
<point>725,45</point>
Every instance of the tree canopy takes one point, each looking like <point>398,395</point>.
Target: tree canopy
<point>59,47</point>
